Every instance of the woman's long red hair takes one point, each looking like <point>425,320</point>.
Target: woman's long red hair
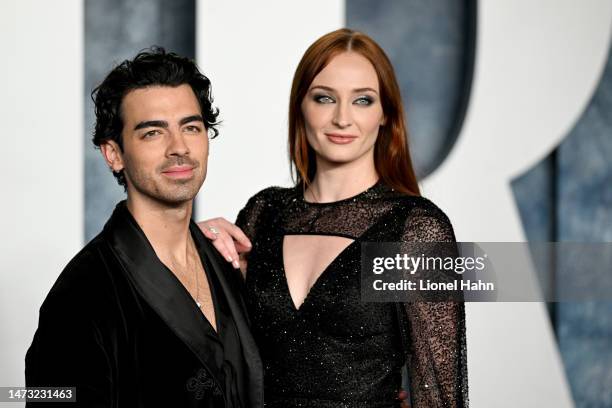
<point>391,155</point>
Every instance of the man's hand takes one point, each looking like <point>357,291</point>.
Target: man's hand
<point>229,240</point>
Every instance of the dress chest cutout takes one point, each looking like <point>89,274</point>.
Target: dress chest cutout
<point>305,258</point>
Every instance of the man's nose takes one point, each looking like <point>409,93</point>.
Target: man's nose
<point>177,145</point>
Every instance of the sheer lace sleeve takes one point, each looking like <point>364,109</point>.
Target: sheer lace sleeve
<point>252,216</point>
<point>437,362</point>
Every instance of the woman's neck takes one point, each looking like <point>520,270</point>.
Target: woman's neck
<point>334,182</point>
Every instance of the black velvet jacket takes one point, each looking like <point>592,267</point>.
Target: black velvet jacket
<point>120,327</point>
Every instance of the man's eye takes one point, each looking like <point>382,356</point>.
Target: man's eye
<point>364,100</point>
<point>193,129</point>
<point>151,133</point>
<point>323,99</point>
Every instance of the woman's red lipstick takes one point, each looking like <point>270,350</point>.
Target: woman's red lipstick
<point>339,138</point>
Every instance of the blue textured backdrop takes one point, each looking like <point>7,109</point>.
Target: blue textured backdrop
<point>114,31</point>
<point>568,197</point>
<point>431,45</point>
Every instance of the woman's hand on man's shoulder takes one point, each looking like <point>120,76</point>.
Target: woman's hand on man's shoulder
<point>228,239</point>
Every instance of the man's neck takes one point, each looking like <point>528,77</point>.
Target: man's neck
<point>166,227</point>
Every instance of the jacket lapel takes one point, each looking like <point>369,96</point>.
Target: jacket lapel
<point>238,309</point>
<point>160,288</point>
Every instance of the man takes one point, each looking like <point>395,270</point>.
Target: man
<point>149,313</point>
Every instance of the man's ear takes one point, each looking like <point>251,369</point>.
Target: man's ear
<point>112,155</point>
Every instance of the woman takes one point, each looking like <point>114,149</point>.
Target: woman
<point>321,346</point>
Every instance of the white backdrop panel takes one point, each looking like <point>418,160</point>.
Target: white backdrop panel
<point>249,50</point>
<point>537,65</point>
<point>42,124</point>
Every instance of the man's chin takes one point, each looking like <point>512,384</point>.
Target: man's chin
<point>180,191</point>
<point>177,198</point>
<point>170,194</point>
<point>171,198</point>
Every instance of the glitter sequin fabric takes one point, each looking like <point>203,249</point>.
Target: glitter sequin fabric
<point>336,351</point>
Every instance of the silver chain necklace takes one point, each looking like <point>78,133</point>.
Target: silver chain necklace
<point>197,296</point>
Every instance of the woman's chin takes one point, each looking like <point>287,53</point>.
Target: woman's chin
<point>339,160</point>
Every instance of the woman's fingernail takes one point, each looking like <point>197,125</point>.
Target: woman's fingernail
<point>236,264</point>
<point>229,259</point>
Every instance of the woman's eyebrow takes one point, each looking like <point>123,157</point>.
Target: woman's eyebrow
<point>356,90</point>
<point>366,89</point>
<point>326,88</point>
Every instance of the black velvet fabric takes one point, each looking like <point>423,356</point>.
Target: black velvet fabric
<point>121,328</point>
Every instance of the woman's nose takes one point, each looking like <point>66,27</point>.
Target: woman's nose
<point>342,116</point>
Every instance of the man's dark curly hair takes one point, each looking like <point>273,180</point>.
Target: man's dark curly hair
<point>151,67</point>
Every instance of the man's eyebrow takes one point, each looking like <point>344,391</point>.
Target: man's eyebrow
<point>192,118</point>
<point>151,123</point>
<point>164,124</point>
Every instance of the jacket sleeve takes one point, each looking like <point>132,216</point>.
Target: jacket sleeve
<point>68,350</point>
<point>437,362</point>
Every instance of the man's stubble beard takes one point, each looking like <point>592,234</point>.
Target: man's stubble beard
<point>168,191</point>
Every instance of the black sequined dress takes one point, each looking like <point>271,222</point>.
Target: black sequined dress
<point>335,351</point>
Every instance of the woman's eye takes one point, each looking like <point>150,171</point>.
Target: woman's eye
<point>323,99</point>
<point>364,100</point>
